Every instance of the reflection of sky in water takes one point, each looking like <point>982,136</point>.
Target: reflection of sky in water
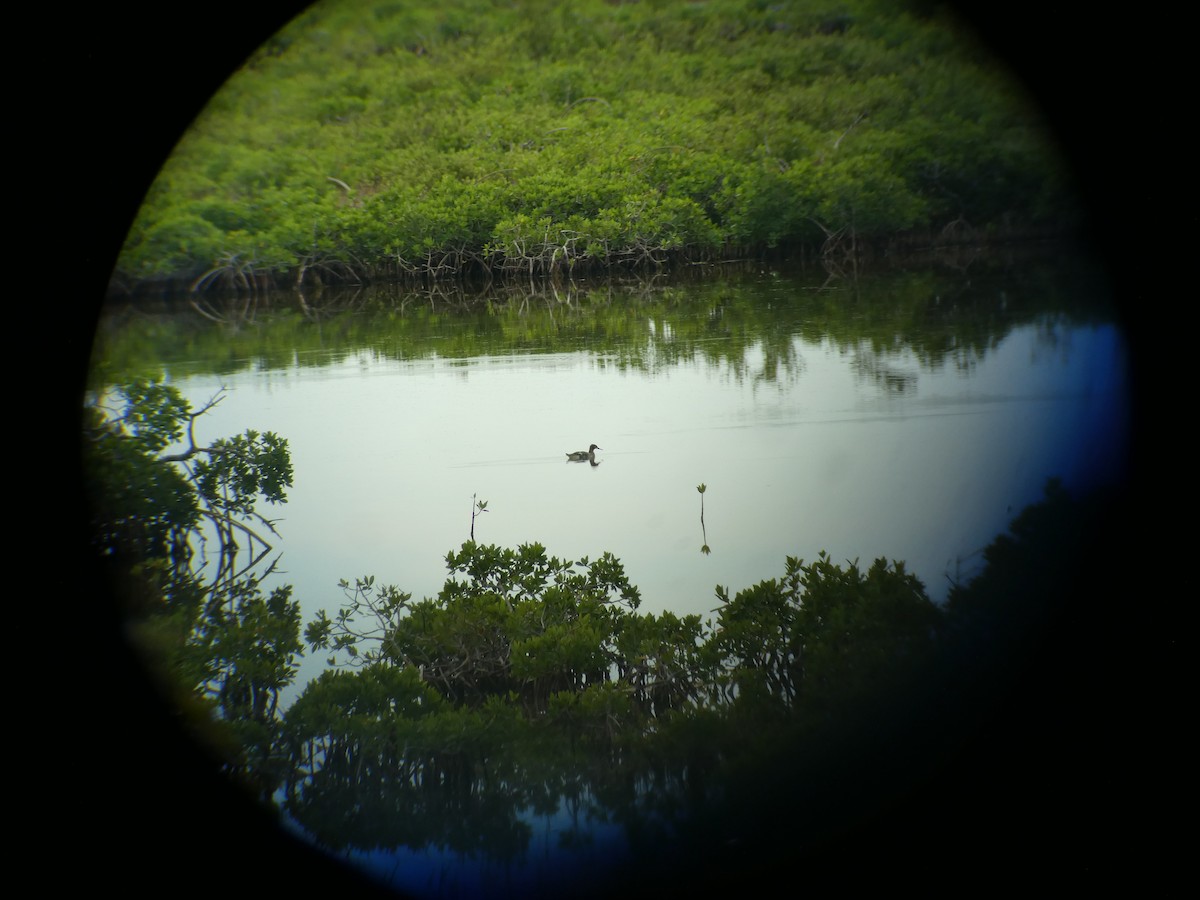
<point>388,455</point>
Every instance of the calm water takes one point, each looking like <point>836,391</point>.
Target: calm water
<point>908,417</point>
<point>806,441</point>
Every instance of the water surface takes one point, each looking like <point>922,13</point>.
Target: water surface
<point>907,417</point>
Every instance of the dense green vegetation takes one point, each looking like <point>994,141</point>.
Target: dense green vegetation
<point>397,140</point>
<point>530,681</point>
<point>178,528</point>
<point>951,318</point>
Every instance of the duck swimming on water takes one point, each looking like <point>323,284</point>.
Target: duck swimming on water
<point>580,455</point>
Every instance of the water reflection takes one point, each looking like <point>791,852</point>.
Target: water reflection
<point>908,418</point>
<point>904,417</point>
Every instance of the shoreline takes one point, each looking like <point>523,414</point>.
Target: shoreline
<point>851,256</point>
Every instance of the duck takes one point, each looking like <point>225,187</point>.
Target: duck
<point>589,454</point>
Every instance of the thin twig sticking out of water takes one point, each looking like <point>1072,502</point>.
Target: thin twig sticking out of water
<point>477,509</point>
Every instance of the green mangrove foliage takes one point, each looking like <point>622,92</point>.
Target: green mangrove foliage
<point>178,525</point>
<point>383,141</point>
<point>750,326</point>
<point>531,683</point>
<point>528,672</point>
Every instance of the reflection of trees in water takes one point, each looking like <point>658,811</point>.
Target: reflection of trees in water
<point>675,728</point>
<point>745,323</point>
<point>794,677</point>
<point>532,686</point>
<point>885,373</point>
<point>1052,338</point>
<point>178,526</point>
<point>417,786</point>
